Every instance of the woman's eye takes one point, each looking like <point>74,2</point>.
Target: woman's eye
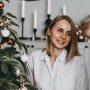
<point>68,33</point>
<point>59,30</point>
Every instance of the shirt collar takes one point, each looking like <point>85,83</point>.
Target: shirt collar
<point>44,56</point>
<point>61,57</point>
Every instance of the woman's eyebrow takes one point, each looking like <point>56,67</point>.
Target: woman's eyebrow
<point>60,28</point>
<point>68,31</point>
<point>63,29</point>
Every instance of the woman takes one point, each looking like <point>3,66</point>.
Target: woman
<point>85,27</point>
<point>59,66</point>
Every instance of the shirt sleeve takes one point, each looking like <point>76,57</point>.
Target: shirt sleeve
<point>82,82</point>
<point>30,66</point>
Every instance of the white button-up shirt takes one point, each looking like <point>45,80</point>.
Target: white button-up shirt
<point>62,76</point>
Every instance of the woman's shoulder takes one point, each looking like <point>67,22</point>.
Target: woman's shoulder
<point>36,53</point>
<point>79,61</point>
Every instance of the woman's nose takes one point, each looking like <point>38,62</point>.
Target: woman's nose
<point>63,35</point>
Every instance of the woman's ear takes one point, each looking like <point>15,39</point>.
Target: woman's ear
<point>48,32</point>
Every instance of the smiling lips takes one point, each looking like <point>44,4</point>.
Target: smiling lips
<point>61,41</point>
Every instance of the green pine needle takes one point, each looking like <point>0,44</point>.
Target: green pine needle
<point>4,68</point>
<point>13,33</point>
<point>4,17</point>
<point>20,44</point>
<point>11,15</point>
<point>8,1</point>
<point>13,23</point>
<point>22,63</point>
<point>8,51</point>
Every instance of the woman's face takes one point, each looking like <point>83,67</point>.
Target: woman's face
<point>60,34</point>
<point>87,32</point>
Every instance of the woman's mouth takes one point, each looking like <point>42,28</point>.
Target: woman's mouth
<point>61,42</point>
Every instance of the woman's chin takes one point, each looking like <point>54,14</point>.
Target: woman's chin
<point>60,46</point>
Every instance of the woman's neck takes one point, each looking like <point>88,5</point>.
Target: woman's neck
<point>55,52</point>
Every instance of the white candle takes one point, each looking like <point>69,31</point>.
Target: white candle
<point>49,7</point>
<point>64,10</point>
<point>35,19</point>
<point>23,9</point>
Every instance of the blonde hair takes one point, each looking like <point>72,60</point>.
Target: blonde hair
<point>72,48</point>
<point>85,24</point>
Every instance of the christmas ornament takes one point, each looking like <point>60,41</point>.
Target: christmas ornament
<point>1,5</point>
<point>10,42</point>
<point>5,32</point>
<point>77,33</point>
<point>81,37</point>
<point>76,26</point>
<point>80,31</point>
<point>1,23</point>
<point>24,58</point>
<point>17,72</point>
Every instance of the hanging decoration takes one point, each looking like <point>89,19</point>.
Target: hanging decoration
<point>79,34</point>
<point>24,58</point>
<point>1,5</point>
<point>5,32</point>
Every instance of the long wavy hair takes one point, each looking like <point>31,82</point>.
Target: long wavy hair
<point>72,47</point>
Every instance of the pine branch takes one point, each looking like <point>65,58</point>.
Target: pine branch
<point>8,1</point>
<point>12,86</point>
<point>13,23</point>
<point>9,61</point>
<point>6,84</point>
<point>4,68</point>
<point>8,51</point>
<point>25,47</point>
<point>25,77</point>
<point>11,76</point>
<point>1,12</point>
<point>20,44</point>
<point>5,17</point>
<point>22,63</point>
<point>13,32</point>
<point>11,15</point>
<point>28,83</point>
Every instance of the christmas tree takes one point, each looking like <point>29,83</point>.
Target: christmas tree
<point>11,77</point>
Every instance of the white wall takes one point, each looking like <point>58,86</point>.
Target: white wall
<point>76,9</point>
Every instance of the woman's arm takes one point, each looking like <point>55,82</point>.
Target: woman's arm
<point>82,81</point>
